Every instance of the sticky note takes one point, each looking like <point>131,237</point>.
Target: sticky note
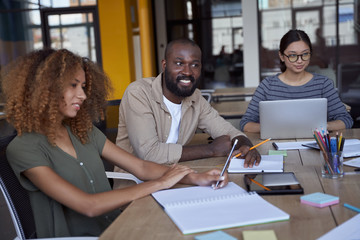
<point>218,235</point>
<point>261,234</point>
<point>278,152</point>
<point>319,199</point>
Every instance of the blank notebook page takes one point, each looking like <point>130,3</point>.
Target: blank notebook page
<point>198,209</point>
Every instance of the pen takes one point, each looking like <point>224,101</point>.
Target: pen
<point>259,184</point>
<point>227,162</point>
<point>239,154</point>
<point>352,207</point>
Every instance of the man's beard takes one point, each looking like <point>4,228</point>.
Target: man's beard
<point>172,85</point>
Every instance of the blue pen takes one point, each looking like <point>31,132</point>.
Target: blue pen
<point>334,154</point>
<point>333,147</point>
<point>352,207</point>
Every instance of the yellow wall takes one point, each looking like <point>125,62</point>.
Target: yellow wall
<point>116,43</point>
<point>147,38</point>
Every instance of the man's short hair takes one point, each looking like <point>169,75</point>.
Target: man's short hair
<point>183,41</point>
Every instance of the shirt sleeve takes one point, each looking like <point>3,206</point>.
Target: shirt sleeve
<point>98,139</point>
<point>336,109</point>
<point>142,130</point>
<point>252,112</point>
<point>23,154</point>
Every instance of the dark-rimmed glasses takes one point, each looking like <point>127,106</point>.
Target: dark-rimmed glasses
<point>294,57</point>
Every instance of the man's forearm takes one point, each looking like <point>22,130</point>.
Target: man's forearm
<point>196,152</point>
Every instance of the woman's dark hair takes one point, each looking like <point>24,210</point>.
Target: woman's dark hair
<point>291,36</point>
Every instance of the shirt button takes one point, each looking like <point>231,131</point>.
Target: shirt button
<point>91,181</point>
<point>169,117</point>
<point>81,163</point>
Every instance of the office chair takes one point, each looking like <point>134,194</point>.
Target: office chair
<point>17,198</point>
<point>349,87</point>
<point>206,93</point>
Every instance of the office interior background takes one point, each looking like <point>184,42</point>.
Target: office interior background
<point>239,39</point>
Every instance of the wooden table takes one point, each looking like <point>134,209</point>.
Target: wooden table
<point>223,93</point>
<point>231,109</point>
<point>145,219</point>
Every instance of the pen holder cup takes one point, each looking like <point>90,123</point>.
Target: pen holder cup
<point>332,164</point>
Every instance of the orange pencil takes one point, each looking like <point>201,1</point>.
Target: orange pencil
<point>257,183</point>
<point>239,154</point>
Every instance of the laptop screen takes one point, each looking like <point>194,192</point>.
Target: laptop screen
<point>297,118</point>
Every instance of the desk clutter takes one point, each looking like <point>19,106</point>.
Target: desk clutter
<point>224,216</point>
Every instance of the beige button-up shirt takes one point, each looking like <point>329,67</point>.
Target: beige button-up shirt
<point>145,121</point>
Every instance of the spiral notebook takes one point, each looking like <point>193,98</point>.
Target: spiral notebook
<point>200,209</point>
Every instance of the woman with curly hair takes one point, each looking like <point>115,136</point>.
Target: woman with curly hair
<point>52,99</point>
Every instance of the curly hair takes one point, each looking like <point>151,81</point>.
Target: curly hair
<point>34,84</point>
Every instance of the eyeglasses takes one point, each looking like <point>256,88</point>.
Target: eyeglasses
<point>294,57</point>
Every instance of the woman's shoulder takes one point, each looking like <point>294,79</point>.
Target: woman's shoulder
<point>28,138</point>
<point>270,81</point>
<point>322,80</point>
<point>319,77</point>
<point>272,78</point>
<point>27,143</point>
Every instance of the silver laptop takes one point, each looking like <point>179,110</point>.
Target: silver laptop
<point>298,118</point>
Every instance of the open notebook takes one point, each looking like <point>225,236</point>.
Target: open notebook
<point>199,209</point>
<point>269,163</point>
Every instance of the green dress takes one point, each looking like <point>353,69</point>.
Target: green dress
<point>87,172</point>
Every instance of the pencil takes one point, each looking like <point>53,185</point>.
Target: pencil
<point>340,139</point>
<point>259,184</point>
<point>239,154</point>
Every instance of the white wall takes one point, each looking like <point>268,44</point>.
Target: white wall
<point>251,44</point>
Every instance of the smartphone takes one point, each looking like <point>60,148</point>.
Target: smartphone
<point>273,183</point>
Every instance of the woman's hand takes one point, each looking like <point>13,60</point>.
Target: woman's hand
<point>173,175</point>
<point>209,178</point>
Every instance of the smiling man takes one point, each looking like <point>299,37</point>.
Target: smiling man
<point>159,116</point>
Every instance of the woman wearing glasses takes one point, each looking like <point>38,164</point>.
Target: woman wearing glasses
<point>295,82</point>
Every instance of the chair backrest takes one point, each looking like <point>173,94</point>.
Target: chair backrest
<point>15,195</point>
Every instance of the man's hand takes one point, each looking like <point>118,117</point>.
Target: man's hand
<point>251,156</point>
<point>221,146</point>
